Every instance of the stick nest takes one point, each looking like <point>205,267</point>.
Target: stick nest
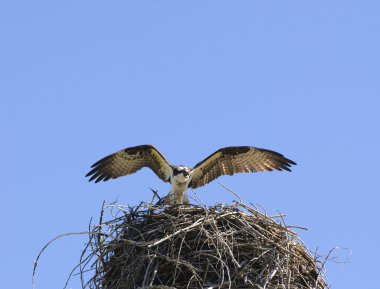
<point>232,246</point>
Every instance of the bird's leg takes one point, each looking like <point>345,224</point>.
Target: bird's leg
<point>178,198</point>
<point>185,198</point>
<point>175,198</point>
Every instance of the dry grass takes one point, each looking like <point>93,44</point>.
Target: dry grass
<point>233,246</point>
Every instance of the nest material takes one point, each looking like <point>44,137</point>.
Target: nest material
<point>232,246</point>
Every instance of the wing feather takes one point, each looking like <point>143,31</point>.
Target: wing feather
<point>242,159</point>
<point>128,161</point>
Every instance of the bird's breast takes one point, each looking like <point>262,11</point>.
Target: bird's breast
<point>179,186</point>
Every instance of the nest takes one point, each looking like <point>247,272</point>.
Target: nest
<point>233,246</point>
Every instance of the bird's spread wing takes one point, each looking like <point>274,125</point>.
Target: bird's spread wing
<point>128,161</point>
<point>242,159</point>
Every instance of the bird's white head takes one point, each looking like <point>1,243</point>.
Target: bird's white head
<point>181,174</point>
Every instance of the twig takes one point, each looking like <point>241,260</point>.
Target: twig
<point>43,249</point>
<point>231,191</point>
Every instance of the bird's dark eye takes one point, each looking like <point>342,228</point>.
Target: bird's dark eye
<point>185,173</point>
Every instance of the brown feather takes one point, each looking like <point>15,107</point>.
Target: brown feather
<point>231,160</point>
<point>128,161</point>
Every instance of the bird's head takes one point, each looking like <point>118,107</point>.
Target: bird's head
<point>181,174</point>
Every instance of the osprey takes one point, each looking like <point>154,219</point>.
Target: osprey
<point>225,161</point>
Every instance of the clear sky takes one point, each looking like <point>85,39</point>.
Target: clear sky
<point>82,79</point>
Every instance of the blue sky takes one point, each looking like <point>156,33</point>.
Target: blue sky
<point>83,79</point>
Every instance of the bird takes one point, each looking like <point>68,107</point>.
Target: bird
<point>225,161</point>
